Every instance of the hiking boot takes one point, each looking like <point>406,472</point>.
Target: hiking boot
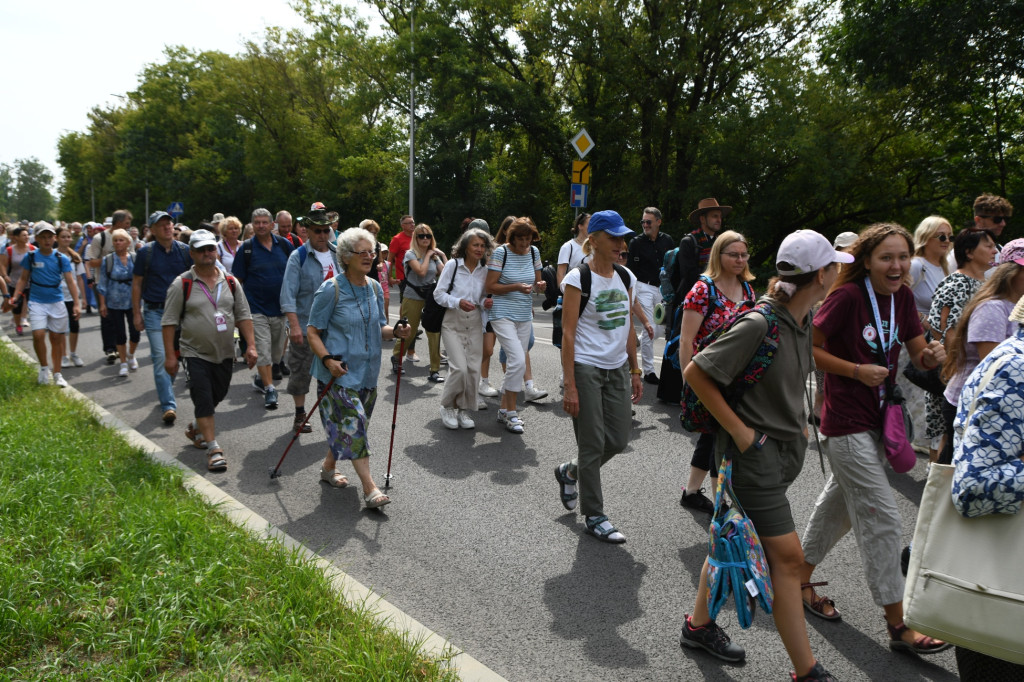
<point>712,639</point>
<point>697,500</point>
<point>301,425</point>
<point>270,398</point>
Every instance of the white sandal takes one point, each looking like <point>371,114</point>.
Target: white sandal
<point>376,499</point>
<point>333,477</point>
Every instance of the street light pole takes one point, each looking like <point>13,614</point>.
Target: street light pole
<point>412,112</point>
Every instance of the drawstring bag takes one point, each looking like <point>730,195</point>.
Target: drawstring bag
<point>736,562</point>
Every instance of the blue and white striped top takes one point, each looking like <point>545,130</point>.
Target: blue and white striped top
<point>514,269</point>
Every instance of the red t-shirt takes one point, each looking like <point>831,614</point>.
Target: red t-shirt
<point>847,321</point>
<point>399,245</point>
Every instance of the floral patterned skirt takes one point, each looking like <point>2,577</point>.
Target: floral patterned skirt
<point>345,414</point>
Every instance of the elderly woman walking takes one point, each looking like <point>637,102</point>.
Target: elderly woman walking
<point>347,324</point>
<point>460,289</point>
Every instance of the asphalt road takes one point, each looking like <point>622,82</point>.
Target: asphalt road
<point>477,546</point>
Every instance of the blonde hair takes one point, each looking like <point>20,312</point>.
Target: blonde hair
<point>927,229</point>
<point>724,240</point>
<point>422,228</point>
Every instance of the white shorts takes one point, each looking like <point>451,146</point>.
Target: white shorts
<point>50,316</point>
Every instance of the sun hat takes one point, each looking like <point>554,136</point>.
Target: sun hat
<point>705,205</point>
<point>1013,252</point>
<point>807,251</point>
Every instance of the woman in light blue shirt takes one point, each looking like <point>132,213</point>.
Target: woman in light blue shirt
<point>347,323</point>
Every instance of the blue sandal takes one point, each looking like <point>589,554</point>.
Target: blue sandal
<point>602,529</point>
<point>566,486</point>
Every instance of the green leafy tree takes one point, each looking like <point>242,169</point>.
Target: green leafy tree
<point>32,197</point>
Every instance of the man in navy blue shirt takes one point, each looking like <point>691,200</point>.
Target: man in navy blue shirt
<point>157,264</point>
<point>259,265</point>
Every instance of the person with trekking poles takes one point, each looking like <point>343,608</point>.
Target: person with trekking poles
<point>347,325</point>
<point>763,432</point>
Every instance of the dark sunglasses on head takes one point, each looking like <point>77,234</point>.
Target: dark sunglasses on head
<point>996,218</point>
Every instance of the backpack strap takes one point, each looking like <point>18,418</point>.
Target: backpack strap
<point>303,254</point>
<point>586,280</point>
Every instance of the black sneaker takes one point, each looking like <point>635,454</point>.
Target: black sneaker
<point>697,500</point>
<point>284,369</point>
<point>436,378</point>
<point>275,371</point>
<point>712,639</point>
<point>816,674</point>
<point>652,378</point>
<point>396,364</point>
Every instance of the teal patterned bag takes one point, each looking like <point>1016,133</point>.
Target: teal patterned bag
<point>736,560</point>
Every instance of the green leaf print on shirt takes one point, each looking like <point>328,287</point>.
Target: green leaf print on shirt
<point>612,306</point>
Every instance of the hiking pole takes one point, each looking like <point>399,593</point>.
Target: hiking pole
<point>274,471</point>
<point>402,322</point>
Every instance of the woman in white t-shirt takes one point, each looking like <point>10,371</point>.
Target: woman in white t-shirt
<point>227,247</point>
<point>602,378</point>
<point>571,253</point>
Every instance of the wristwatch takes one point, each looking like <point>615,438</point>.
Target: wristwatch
<point>637,371</point>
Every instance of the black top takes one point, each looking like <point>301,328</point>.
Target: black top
<point>646,257</point>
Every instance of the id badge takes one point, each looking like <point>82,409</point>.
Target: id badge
<point>222,323</point>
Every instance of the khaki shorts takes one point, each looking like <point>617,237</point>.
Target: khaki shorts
<point>271,334</point>
<point>300,361</point>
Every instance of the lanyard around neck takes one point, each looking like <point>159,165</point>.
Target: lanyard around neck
<point>886,346</point>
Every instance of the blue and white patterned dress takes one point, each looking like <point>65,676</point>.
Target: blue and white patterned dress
<point>989,472</point>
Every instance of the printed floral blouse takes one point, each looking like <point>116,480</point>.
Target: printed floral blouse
<point>724,309</point>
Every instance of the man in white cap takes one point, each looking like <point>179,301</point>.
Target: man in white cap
<point>41,273</point>
<point>208,304</point>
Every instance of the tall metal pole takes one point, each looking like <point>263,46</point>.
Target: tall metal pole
<point>147,204</point>
<point>412,114</point>
<point>92,184</point>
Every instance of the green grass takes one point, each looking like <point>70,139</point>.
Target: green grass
<point>110,569</point>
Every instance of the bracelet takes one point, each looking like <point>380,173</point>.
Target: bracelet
<point>636,371</point>
<point>856,370</point>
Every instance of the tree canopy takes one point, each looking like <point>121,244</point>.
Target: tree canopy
<point>799,114</point>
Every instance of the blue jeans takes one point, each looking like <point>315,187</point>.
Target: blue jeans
<point>164,381</point>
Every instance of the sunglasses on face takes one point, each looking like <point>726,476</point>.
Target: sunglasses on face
<point>325,230</point>
<point>646,222</point>
<point>943,237</point>
<point>423,236</point>
<point>206,249</point>
<point>995,218</point>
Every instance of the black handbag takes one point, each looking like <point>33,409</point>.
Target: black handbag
<point>433,312</point>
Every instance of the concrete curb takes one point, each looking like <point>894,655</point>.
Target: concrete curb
<point>354,593</point>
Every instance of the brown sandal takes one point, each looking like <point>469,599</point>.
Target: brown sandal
<point>195,436</point>
<point>817,603</point>
<point>215,460</point>
<point>923,644</point>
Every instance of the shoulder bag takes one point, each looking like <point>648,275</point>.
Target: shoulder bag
<point>433,312</point>
<point>965,584</point>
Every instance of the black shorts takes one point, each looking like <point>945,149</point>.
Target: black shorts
<point>208,384</point>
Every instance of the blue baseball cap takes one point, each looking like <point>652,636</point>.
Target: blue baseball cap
<point>610,222</point>
<point>157,216</point>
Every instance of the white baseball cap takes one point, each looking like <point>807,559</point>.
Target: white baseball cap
<point>807,251</point>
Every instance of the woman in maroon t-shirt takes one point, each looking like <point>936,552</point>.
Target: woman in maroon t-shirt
<point>869,313</point>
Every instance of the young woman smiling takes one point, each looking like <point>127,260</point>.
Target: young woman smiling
<point>869,313</point>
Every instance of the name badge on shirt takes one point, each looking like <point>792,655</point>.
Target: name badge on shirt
<point>222,322</point>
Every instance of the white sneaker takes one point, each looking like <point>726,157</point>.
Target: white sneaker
<point>65,361</point>
<point>44,376</point>
<point>58,380</point>
<point>133,364</point>
<point>534,393</point>
<point>465,421</point>
<point>448,418</point>
<point>485,389</point>
<point>76,361</point>
<point>123,372</point>
<point>480,404</point>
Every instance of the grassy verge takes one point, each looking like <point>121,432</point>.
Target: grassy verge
<point>109,569</point>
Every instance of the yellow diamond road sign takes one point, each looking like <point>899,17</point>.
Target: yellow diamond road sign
<point>582,143</point>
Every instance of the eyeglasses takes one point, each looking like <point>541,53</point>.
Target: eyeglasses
<point>423,236</point>
<point>737,255</point>
<point>363,254</point>
<point>646,222</point>
<point>325,230</point>
<point>205,249</point>
<point>943,237</point>
<point>996,218</point>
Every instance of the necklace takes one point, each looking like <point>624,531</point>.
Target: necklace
<point>366,317</point>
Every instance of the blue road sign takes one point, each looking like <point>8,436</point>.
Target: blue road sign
<point>578,195</point>
<point>176,209</point>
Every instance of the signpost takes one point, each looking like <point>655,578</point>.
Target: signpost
<point>176,209</point>
<point>579,190</point>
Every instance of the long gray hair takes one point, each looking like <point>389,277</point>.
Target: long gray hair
<point>459,249</point>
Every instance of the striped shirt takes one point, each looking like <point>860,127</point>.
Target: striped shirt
<point>514,268</point>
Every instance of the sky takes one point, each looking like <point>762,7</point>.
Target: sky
<point>61,58</point>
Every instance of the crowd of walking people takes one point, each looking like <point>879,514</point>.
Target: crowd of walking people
<point>878,314</point>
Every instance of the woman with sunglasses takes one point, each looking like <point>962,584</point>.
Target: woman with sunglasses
<point>423,263</point>
<point>933,242</point>
<point>705,309</point>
